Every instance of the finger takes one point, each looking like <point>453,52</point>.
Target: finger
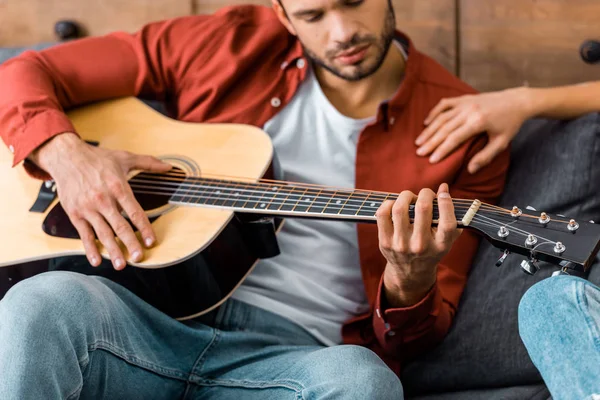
<point>401,217</point>
<point>453,140</point>
<point>137,216</point>
<point>123,230</point>
<point>432,129</point>
<point>107,238</point>
<point>447,224</point>
<point>89,241</point>
<point>486,155</point>
<point>442,135</point>
<point>440,107</point>
<point>149,163</point>
<point>423,219</point>
<point>385,227</point>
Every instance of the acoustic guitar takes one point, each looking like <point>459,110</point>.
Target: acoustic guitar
<point>215,213</point>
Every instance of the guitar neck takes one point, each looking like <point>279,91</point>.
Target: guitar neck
<point>278,198</point>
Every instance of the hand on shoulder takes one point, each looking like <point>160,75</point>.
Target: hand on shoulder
<point>454,120</point>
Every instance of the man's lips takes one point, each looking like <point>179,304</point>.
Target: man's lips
<point>353,55</point>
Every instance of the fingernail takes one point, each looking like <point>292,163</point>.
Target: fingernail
<point>94,261</point>
<point>119,263</point>
<point>474,168</point>
<point>444,195</point>
<point>136,255</point>
<point>434,158</point>
<point>148,242</point>
<point>419,141</point>
<point>421,151</point>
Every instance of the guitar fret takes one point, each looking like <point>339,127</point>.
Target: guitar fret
<point>225,195</point>
<point>261,202</point>
<point>239,195</point>
<point>319,203</point>
<point>369,206</point>
<point>303,202</point>
<point>351,206</point>
<point>212,192</point>
<point>334,206</point>
<point>290,201</point>
<point>280,195</point>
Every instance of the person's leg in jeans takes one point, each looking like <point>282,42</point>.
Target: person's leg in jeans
<point>559,323</point>
<point>67,335</point>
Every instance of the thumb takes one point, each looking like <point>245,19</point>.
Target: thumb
<point>486,155</point>
<point>149,163</point>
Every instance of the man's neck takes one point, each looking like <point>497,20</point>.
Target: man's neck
<point>361,99</point>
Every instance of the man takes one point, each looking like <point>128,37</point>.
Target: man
<point>559,317</point>
<point>342,96</point>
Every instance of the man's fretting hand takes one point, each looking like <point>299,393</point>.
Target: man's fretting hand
<point>413,250</point>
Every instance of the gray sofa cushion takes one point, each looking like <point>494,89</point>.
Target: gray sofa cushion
<point>10,52</point>
<point>555,168</point>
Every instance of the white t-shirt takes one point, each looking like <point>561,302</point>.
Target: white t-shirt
<point>316,281</point>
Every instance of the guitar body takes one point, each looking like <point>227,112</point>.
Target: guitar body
<point>202,254</point>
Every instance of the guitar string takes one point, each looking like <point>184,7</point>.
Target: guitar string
<point>481,219</point>
<point>475,222</point>
<point>369,194</point>
<point>281,201</point>
<point>361,204</point>
<point>308,186</point>
<point>261,194</point>
<point>252,180</point>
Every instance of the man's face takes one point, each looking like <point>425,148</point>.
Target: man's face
<point>350,38</point>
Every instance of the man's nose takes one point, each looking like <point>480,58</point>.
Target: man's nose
<point>341,30</point>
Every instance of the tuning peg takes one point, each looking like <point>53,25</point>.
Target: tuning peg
<point>502,258</point>
<point>529,267</point>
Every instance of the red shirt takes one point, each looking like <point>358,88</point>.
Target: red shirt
<point>241,65</point>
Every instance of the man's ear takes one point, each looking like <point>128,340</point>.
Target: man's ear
<point>282,16</point>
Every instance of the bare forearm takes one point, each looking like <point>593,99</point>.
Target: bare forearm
<point>564,101</point>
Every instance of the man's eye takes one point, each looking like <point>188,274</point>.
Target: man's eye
<point>354,3</point>
<point>314,18</point>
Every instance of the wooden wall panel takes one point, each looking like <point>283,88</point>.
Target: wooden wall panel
<point>210,6</point>
<point>430,23</point>
<point>25,22</point>
<point>506,43</point>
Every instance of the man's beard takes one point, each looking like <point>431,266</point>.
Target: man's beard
<point>381,44</point>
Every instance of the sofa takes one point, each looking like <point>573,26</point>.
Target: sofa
<point>553,169</point>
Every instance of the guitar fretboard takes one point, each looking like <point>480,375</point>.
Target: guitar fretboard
<point>286,199</point>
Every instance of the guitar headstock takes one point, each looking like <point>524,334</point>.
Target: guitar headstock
<point>538,235</point>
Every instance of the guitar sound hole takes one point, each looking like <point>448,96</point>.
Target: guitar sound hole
<point>152,191</point>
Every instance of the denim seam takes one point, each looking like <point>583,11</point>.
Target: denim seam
<point>76,393</point>
<point>290,384</point>
<point>583,307</point>
<point>202,357</point>
<point>109,347</point>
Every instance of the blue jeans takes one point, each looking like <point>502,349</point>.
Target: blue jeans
<point>559,323</point>
<point>65,335</point>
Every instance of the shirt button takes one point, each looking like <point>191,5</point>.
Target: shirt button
<point>300,63</point>
<point>275,102</point>
<point>11,148</point>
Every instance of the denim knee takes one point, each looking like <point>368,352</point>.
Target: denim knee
<point>547,303</point>
<point>352,372</point>
<point>45,300</point>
